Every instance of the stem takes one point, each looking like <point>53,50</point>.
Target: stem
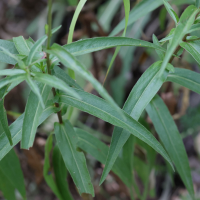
<point>177,50</point>
<point>48,57</point>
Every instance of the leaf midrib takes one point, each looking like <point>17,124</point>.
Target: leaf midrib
<point>169,137</point>
<point>74,158</point>
<point>118,120</point>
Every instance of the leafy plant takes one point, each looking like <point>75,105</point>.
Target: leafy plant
<point>53,90</point>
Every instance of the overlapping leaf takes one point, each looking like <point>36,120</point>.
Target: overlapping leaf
<point>171,139</point>
<point>3,116</point>
<point>141,94</point>
<point>101,109</point>
<point>10,168</point>
<point>186,78</point>
<point>47,169</point>
<point>185,23</point>
<point>32,115</point>
<point>75,161</point>
<point>16,129</point>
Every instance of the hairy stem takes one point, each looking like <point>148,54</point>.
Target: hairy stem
<point>48,57</point>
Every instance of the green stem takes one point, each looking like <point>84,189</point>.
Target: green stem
<point>49,21</point>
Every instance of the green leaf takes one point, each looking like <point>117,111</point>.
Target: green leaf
<point>3,116</point>
<point>60,172</point>
<point>10,167</point>
<point>71,29</point>
<point>160,53</point>
<point>127,11</point>
<point>47,173</point>
<point>7,80</point>
<point>171,139</point>
<point>95,44</point>
<point>138,11</point>
<point>32,115</point>
<point>193,48</point>
<point>35,48</point>
<point>14,57</point>
<point>54,30</point>
<point>74,20</point>
<point>21,45</point>
<point>99,151</point>
<point>171,12</point>
<point>101,109</point>
<point>185,23</point>
<point>61,74</point>
<point>6,187</point>
<point>75,161</point>
<point>140,96</point>
<point>11,72</point>
<point>35,89</point>
<point>186,78</point>
<point>55,82</point>
<point>16,130</point>
<point>194,27</point>
<point>197,3</point>
<point>71,62</point>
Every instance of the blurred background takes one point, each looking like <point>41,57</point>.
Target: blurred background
<point>97,19</point>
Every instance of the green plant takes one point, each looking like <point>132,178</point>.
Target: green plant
<point>38,66</point>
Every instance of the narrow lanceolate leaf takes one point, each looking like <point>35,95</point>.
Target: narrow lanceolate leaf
<point>10,167</point>
<point>192,47</point>
<point>55,82</point>
<point>140,96</point>
<point>171,139</point>
<point>16,130</point>
<point>3,116</point>
<point>185,23</point>
<point>35,89</point>
<point>7,80</point>
<point>74,20</point>
<point>21,45</point>
<point>75,161</point>
<point>61,74</point>
<point>60,172</point>
<point>35,48</point>
<point>101,109</point>
<point>32,115</point>
<point>48,174</point>
<point>99,151</point>
<point>71,62</point>
<point>171,11</point>
<point>138,11</point>
<point>186,78</point>
<point>127,11</point>
<point>11,72</point>
<point>95,44</point>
